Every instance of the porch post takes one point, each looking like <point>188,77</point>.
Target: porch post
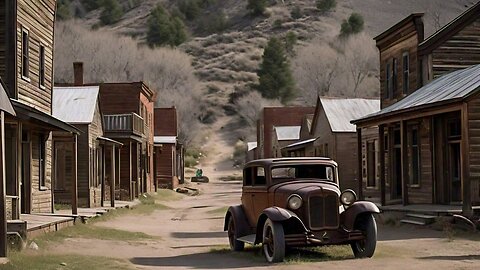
<point>74,178</point>
<point>465,162</point>
<point>118,170</point>
<point>3,214</point>
<point>381,157</point>
<point>130,186</point>
<point>359,159</point>
<point>104,159</point>
<point>112,179</point>
<point>404,161</point>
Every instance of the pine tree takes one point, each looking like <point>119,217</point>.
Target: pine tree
<point>164,29</point>
<point>257,7</point>
<point>275,76</point>
<point>112,12</point>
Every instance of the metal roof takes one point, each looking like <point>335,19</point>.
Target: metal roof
<point>75,104</point>
<point>251,145</point>
<point>448,88</point>
<point>340,111</point>
<point>165,139</point>
<point>5,104</point>
<point>287,133</point>
<point>301,143</point>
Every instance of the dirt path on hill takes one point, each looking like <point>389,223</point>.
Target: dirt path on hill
<point>189,235</point>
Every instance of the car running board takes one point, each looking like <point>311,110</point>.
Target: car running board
<point>249,239</point>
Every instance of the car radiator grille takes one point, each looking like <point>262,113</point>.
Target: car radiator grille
<point>323,211</point>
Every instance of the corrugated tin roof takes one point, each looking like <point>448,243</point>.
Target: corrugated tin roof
<point>251,145</point>
<point>5,104</point>
<point>287,133</point>
<point>340,111</point>
<point>75,104</point>
<point>165,139</point>
<point>451,87</point>
<point>301,143</point>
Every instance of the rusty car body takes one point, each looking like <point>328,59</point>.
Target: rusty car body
<point>296,202</point>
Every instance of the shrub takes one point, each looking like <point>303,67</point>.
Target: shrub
<point>326,5</point>
<point>189,8</point>
<point>277,24</point>
<point>257,7</point>
<point>63,10</point>
<point>296,13</point>
<point>164,29</point>
<point>112,12</point>
<point>353,25</point>
<point>290,42</point>
<point>213,23</point>
<point>92,4</point>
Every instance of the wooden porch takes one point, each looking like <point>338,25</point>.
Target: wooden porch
<point>432,209</point>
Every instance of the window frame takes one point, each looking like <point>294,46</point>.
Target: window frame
<point>25,53</point>
<point>406,72</point>
<point>41,66</point>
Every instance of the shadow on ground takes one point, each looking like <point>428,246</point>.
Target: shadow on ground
<point>199,235</point>
<point>207,260</point>
<point>452,258</point>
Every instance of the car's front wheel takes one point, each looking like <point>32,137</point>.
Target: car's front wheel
<point>366,247</point>
<point>273,241</point>
<point>235,245</point>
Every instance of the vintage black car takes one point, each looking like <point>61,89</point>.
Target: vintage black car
<point>296,202</point>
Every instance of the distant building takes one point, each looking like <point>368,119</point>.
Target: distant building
<point>251,152</point>
<point>283,136</point>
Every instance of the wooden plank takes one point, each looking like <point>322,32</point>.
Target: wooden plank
<point>3,212</point>
<point>381,154</point>
<point>404,162</point>
<point>465,161</point>
<point>74,177</point>
<point>359,165</point>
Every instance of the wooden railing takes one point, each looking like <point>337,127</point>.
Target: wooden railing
<point>124,123</point>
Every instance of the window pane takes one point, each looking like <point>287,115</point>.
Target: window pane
<point>405,73</point>
<point>42,66</point>
<point>371,166</point>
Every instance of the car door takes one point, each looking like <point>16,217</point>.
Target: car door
<point>259,192</point>
<point>247,189</point>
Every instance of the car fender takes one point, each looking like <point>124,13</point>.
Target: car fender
<point>349,216</point>
<point>242,228</point>
<point>278,214</point>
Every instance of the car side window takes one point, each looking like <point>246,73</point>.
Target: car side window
<point>247,177</point>
<point>260,179</point>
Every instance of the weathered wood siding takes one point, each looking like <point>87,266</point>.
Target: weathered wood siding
<point>38,18</point>
<point>41,196</point>
<point>403,40</point>
<point>165,166</point>
<point>346,156</point>
<point>474,148</point>
<point>149,132</point>
<point>95,130</point>
<point>370,193</point>
<point>458,52</point>
<point>3,39</point>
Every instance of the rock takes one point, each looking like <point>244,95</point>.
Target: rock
<point>33,246</point>
<point>63,264</point>
<point>182,190</point>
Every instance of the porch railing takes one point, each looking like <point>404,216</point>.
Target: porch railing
<point>124,123</point>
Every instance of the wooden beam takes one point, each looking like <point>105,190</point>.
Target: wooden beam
<point>112,178</point>
<point>465,164</point>
<point>359,168</point>
<point>130,192</point>
<point>104,159</point>
<point>3,212</point>
<point>75,176</point>
<point>381,157</point>
<point>118,169</point>
<point>404,162</point>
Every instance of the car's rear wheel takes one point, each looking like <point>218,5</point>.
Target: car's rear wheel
<point>273,241</point>
<point>235,245</point>
<point>366,247</point>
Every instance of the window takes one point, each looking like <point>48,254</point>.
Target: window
<point>248,177</point>
<point>371,164</point>
<point>394,76</point>
<point>406,71</point>
<point>260,179</point>
<point>415,159</point>
<point>25,54</point>
<point>41,161</point>
<point>388,81</point>
<point>454,129</point>
<point>41,77</point>
<point>293,172</point>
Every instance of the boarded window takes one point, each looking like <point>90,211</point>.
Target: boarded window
<point>25,54</point>
<point>415,158</point>
<point>41,161</point>
<point>406,72</point>
<point>42,66</point>
<point>371,164</point>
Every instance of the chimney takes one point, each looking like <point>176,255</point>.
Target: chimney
<point>78,73</point>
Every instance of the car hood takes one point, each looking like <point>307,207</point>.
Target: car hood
<point>303,187</point>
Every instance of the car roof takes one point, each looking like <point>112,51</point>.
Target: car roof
<point>290,161</point>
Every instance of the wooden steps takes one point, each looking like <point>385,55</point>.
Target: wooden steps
<point>418,219</point>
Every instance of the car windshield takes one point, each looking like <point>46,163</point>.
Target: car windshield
<point>314,171</point>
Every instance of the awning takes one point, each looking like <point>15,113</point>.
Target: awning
<point>5,104</point>
<point>299,145</point>
<point>165,139</point>
<point>25,112</point>
<point>109,141</point>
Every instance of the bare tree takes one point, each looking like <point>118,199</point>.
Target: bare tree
<point>111,58</point>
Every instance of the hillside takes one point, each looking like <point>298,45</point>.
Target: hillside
<point>225,63</point>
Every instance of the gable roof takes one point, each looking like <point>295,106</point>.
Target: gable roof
<point>397,26</point>
<point>75,104</point>
<point>340,111</point>
<point>450,29</point>
<point>5,104</point>
<point>449,88</point>
<point>287,133</point>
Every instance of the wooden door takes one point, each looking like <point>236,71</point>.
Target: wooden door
<point>454,168</point>
<point>26,185</point>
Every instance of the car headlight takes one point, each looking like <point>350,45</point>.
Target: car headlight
<point>294,202</point>
<point>348,197</point>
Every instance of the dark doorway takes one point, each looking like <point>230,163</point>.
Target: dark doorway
<point>455,172</point>
<point>397,166</point>
<point>26,186</point>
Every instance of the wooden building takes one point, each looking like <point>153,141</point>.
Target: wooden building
<point>79,106</point>
<point>332,135</point>
<point>276,116</point>
<point>169,153</point>
<point>5,107</point>
<point>427,126</point>
<point>26,65</point>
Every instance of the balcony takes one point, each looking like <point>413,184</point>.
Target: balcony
<point>124,124</point>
